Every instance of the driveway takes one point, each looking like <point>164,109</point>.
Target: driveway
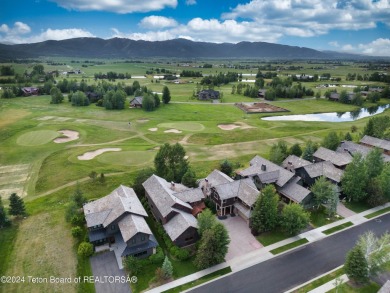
<point>105,267</point>
<point>343,211</point>
<point>241,239</point>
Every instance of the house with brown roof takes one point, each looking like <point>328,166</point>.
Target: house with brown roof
<point>287,183</point>
<point>339,159</point>
<point>136,102</point>
<point>382,144</point>
<point>175,207</point>
<point>119,219</point>
<point>293,162</point>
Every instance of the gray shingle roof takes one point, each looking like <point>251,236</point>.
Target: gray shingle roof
<point>326,169</point>
<point>256,168</point>
<point>293,162</point>
<point>352,148</point>
<point>131,224</point>
<point>294,191</point>
<point>244,189</point>
<point>337,158</point>
<point>109,208</point>
<point>190,195</point>
<point>377,142</point>
<point>216,178</point>
<point>179,224</point>
<point>163,194</point>
<point>136,101</point>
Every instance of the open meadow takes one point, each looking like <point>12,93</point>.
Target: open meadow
<point>119,143</point>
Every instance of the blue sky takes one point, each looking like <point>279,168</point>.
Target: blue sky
<point>358,26</point>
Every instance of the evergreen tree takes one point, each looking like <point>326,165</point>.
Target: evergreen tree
<point>206,220</point>
<point>226,167</point>
<point>356,266</point>
<point>189,178</point>
<point>16,205</point>
<point>294,218</point>
<point>166,97</point>
<point>148,103</point>
<point>3,215</point>
<point>213,247</point>
<point>156,100</point>
<point>141,177</point>
<point>78,196</point>
<point>296,150</point>
<point>310,149</point>
<point>348,137</point>
<point>265,213</point>
<point>167,268</point>
<point>354,179</point>
<point>56,96</point>
<point>331,141</point>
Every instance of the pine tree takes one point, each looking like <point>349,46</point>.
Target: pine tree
<point>189,178</point>
<point>167,268</point>
<point>296,150</point>
<point>78,197</point>
<point>265,214</point>
<point>356,266</point>
<point>166,97</point>
<point>331,141</point>
<point>16,205</point>
<point>309,151</point>
<point>226,167</point>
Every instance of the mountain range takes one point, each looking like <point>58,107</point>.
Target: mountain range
<point>179,48</point>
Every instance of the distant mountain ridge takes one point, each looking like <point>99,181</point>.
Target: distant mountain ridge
<point>180,48</point>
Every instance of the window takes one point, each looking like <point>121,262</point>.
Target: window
<point>133,240</point>
<point>112,227</point>
<point>142,237</point>
<point>140,253</point>
<point>188,239</point>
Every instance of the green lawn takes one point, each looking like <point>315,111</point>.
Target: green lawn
<point>319,218</point>
<point>199,281</point>
<point>372,287</point>
<point>289,246</point>
<point>268,238</point>
<point>357,207</point>
<point>7,242</point>
<point>337,228</point>
<point>320,281</point>
<point>377,213</point>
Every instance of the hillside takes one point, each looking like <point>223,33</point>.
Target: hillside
<point>181,48</point>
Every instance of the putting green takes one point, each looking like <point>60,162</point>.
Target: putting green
<point>38,137</point>
<point>186,126</point>
<point>127,158</point>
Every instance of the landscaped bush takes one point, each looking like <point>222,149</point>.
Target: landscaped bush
<point>179,253</point>
<point>85,249</point>
<point>158,257</point>
<point>77,220</point>
<point>76,232</point>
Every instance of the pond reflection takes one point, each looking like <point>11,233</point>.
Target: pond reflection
<point>333,116</point>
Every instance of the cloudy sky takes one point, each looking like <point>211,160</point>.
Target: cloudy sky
<point>359,26</point>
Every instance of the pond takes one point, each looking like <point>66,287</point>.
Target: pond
<point>333,116</point>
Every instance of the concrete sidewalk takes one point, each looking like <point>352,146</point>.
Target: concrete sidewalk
<point>263,254</point>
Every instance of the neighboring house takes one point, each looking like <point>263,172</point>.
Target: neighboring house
<point>215,178</point>
<point>310,173</point>
<point>30,91</point>
<point>382,144</point>
<point>175,206</point>
<point>119,219</point>
<point>336,97</point>
<point>93,97</point>
<point>136,102</point>
<point>353,148</point>
<point>293,162</point>
<point>208,95</point>
<point>339,159</point>
<point>287,184</point>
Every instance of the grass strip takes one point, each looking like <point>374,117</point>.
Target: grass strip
<point>199,281</point>
<point>289,246</point>
<point>337,228</point>
<point>316,283</point>
<point>377,213</point>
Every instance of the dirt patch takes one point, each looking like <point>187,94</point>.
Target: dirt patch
<point>259,108</point>
<point>44,118</point>
<point>91,155</point>
<point>153,129</point>
<point>142,120</point>
<point>13,179</point>
<point>70,135</point>
<point>228,126</point>
<point>173,131</point>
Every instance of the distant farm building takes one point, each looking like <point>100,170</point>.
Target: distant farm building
<point>136,102</point>
<point>30,91</point>
<point>208,95</point>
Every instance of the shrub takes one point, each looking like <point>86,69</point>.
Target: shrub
<point>76,232</point>
<point>85,249</point>
<point>133,264</point>
<point>158,257</point>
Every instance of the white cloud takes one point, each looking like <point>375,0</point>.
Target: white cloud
<point>148,36</point>
<point>334,44</point>
<point>313,17</point>
<point>117,6</point>
<point>190,2</point>
<point>17,34</point>
<point>378,47</point>
<point>157,22</point>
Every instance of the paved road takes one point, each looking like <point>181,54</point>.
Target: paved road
<point>298,266</point>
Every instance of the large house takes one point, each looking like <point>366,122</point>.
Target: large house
<point>208,95</point>
<point>339,159</point>
<point>310,173</point>
<point>136,102</point>
<point>30,91</point>
<point>119,219</point>
<point>382,144</point>
<point>287,183</point>
<point>353,148</point>
<point>175,207</point>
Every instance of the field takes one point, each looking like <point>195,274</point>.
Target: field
<point>45,172</point>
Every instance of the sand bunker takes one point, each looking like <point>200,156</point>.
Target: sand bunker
<point>70,136</point>
<point>45,118</point>
<point>153,129</point>
<point>228,126</point>
<point>173,131</point>
<point>142,120</point>
<point>91,155</point>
